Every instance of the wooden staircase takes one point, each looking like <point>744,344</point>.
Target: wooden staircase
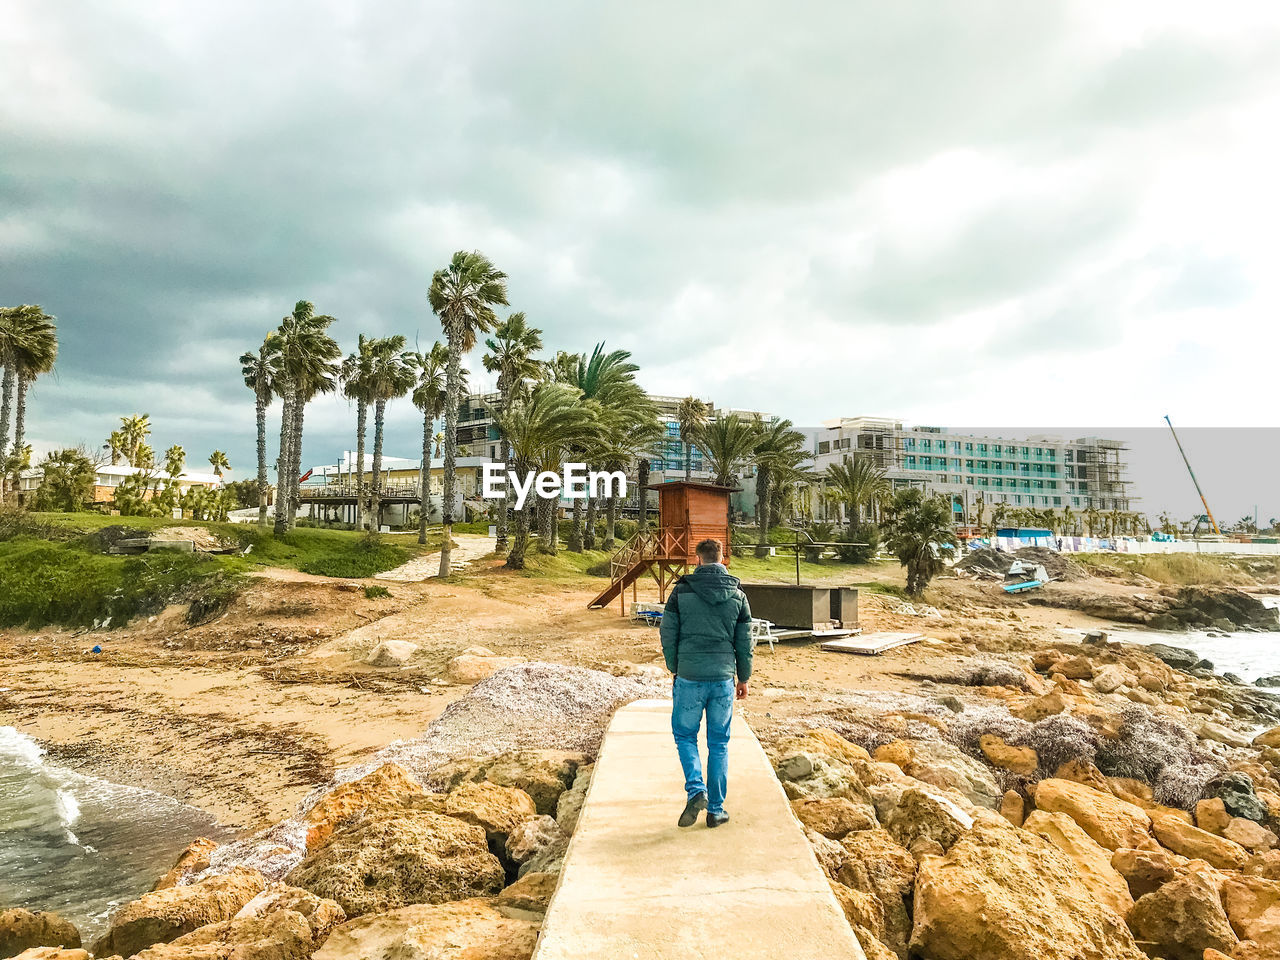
<point>659,552</point>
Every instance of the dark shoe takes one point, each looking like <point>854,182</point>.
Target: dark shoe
<point>691,810</point>
<point>715,819</point>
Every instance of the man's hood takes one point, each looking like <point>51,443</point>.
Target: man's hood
<point>712,583</point>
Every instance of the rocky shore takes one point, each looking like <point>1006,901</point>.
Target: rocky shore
<point>1078,801</point>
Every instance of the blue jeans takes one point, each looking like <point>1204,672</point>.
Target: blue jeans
<point>691,698</point>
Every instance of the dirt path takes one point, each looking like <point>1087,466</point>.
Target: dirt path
<point>466,550</point>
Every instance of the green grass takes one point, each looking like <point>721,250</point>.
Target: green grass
<point>375,592</point>
<point>53,568</point>
<point>42,582</point>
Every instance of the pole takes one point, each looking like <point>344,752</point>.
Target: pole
<point>1209,513</point>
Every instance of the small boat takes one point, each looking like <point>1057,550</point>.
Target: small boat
<point>1024,586</point>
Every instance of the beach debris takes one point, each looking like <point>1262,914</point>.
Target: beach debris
<point>871,643</point>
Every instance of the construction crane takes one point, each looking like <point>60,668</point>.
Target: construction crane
<point>1208,513</point>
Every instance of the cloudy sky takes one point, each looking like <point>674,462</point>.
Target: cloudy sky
<point>962,212</point>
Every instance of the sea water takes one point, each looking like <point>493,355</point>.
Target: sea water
<point>1247,655</point>
<point>81,846</point>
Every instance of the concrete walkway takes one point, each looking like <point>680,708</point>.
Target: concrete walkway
<point>637,887</point>
<point>467,548</point>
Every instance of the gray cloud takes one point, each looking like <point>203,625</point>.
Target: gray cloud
<point>720,189</point>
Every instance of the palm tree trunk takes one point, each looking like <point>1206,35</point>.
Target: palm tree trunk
<point>453,387</point>
<point>610,520</point>
<point>688,460</point>
<point>6,403</point>
<point>575,531</point>
<point>548,532</point>
<point>285,461</point>
<point>295,472</point>
<point>503,510</point>
<point>261,411</point>
<point>589,534</point>
<point>379,415</point>
<point>19,429</point>
<point>762,509</point>
<point>642,483</point>
<point>362,418</point>
<point>424,495</point>
<point>520,542</point>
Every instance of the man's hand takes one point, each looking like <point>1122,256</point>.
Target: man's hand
<point>742,690</point>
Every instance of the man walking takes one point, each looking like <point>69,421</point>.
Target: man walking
<point>706,639</point>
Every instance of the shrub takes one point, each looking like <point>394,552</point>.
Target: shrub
<point>988,673</point>
<point>376,592</point>
<point>1060,738</point>
<point>1161,752</point>
<point>860,533</point>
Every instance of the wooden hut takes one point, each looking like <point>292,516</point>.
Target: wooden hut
<point>688,513</point>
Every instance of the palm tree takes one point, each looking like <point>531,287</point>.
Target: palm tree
<point>856,483</point>
<point>511,357</point>
<point>778,445</point>
<point>428,396</point>
<point>726,442</point>
<point>257,368</point>
<point>116,443</point>
<point>389,378</point>
<point>692,415</point>
<point>608,380</point>
<point>463,296</point>
<point>135,430</point>
<point>539,427</point>
<point>922,536</point>
<point>9,343</point>
<point>218,460</point>
<point>1068,521</point>
<point>355,374</point>
<point>305,365</point>
<point>33,355</point>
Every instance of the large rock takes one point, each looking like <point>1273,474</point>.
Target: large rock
<point>874,864</point>
<point>1252,836</point>
<point>1236,792</point>
<point>530,838</point>
<point>321,915</point>
<point>1181,837</point>
<point>391,653</point>
<point>191,861</point>
<point>1212,815</point>
<point>1006,894</point>
<point>569,806</point>
<point>54,953</point>
<point>919,815</point>
<point>812,775</point>
<point>1145,870</point>
<point>823,743</point>
<point>384,788</point>
<point>381,863</point>
<point>1049,705</point>
<point>464,930</point>
<point>1268,738</point>
<point>939,763</point>
<point>833,817</point>
<point>165,915</point>
<point>1253,907</point>
<point>1020,760</point>
<point>1184,918</point>
<point>543,774</point>
<point>22,929</point>
<point>529,897</point>
<point>1111,822</point>
<point>499,810</point>
<point>1092,861</point>
<point>1112,677</point>
<point>278,935</point>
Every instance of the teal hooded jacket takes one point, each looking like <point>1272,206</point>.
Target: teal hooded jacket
<point>706,626</point>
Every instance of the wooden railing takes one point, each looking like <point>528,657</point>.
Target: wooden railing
<point>647,545</point>
<point>347,491</point>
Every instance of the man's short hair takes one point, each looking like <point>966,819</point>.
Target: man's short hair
<point>709,551</point>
